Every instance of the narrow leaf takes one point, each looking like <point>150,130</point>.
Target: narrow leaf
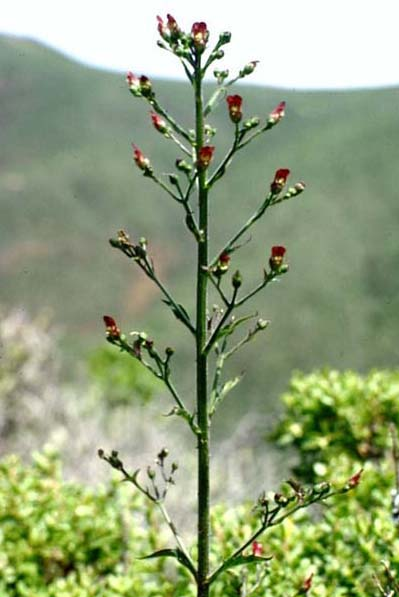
<point>176,553</point>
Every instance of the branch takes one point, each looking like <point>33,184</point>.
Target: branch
<point>229,246</point>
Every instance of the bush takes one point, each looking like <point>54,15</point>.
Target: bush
<point>64,539</point>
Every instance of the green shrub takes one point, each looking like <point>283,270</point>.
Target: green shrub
<point>328,414</point>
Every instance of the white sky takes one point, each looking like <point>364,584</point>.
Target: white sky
<point>300,43</point>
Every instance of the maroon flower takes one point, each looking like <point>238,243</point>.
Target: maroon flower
<point>257,548</point>
<point>145,86</point>
<point>280,178</point>
<point>355,479</point>
<point>277,114</point>
<point>277,257</point>
<point>224,258</point>
<point>234,103</point>
<point>205,155</point>
<point>111,329</point>
<point>159,123</point>
<point>170,31</point>
<point>200,35</point>
<point>141,161</point>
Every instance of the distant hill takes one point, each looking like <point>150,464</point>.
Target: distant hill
<point>67,183</point>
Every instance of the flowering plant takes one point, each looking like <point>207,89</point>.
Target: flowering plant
<point>213,331</point>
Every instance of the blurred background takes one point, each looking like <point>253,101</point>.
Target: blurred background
<point>68,183</point>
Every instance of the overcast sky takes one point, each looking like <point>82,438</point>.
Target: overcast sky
<point>300,43</point>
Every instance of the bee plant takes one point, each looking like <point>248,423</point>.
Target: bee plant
<point>222,331</point>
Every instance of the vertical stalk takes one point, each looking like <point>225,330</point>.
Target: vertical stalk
<point>202,359</point>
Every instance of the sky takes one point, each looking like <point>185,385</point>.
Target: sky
<point>301,44</point>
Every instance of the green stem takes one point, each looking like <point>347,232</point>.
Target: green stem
<point>202,359</point>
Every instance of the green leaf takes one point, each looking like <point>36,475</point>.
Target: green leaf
<point>227,330</point>
<point>222,392</point>
<point>173,553</point>
<point>241,561</point>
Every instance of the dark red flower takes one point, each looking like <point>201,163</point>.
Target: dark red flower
<point>159,123</point>
<point>234,103</point>
<point>280,178</point>
<point>141,161</point>
<point>306,585</point>
<point>145,86</point>
<point>224,258</point>
<point>355,479</point>
<point>277,257</point>
<point>277,114</point>
<point>257,548</point>
<point>205,155</point>
<point>200,35</point>
<point>111,329</point>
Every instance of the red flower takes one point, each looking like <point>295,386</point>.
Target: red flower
<point>145,86</point>
<point>169,31</point>
<point>277,114</point>
<point>257,548</point>
<point>205,155</point>
<point>355,479</point>
<point>159,123</point>
<point>200,35</point>
<point>224,258</point>
<point>277,257</point>
<point>111,329</point>
<point>234,103</point>
<point>280,178</point>
<point>141,161</point>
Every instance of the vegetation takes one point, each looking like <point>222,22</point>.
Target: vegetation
<point>66,176</point>
<point>63,539</point>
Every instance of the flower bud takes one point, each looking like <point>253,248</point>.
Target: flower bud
<point>234,103</point>
<point>159,124</point>
<point>133,83</point>
<point>224,38</point>
<point>173,179</point>
<point>236,280</point>
<point>297,189</point>
<point>170,31</point>
<point>183,166</point>
<point>151,473</point>
<point>222,265</point>
<point>199,36</point>
<point>355,479</point>
<point>262,324</point>
<point>218,55</point>
<point>111,329</point>
<point>220,75</point>
<point>277,258</point>
<point>257,548</point>
<point>169,351</point>
<point>277,114</point>
<point>280,178</point>
<point>248,68</point>
<point>146,86</point>
<point>141,161</point>
<point>205,155</point>
<point>251,123</point>
<point>164,453</point>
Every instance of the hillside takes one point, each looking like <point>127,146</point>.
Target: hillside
<point>67,183</point>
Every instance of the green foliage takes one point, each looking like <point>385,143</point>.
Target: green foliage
<point>329,414</point>
<point>63,539</point>
<point>121,379</point>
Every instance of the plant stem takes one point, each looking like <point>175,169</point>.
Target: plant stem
<point>202,359</point>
